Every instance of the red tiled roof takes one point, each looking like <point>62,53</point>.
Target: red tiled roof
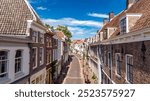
<point>77,41</point>
<point>60,34</point>
<point>142,7</point>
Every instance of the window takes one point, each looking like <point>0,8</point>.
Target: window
<point>118,64</point>
<point>34,57</point>
<point>129,68</point>
<point>48,56</point>
<point>41,38</point>
<point>18,61</point>
<point>105,58</point>
<point>48,42</point>
<point>123,25</point>
<point>35,36</point>
<point>105,36</point>
<point>41,55</point>
<point>109,60</point>
<point>3,63</point>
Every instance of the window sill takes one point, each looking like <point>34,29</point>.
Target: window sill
<point>127,82</point>
<point>18,75</point>
<point>5,80</point>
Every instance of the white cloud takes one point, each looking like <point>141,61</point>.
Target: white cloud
<point>41,8</point>
<point>98,15</point>
<point>79,28</point>
<point>73,22</point>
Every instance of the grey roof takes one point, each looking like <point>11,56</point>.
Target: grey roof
<point>14,15</point>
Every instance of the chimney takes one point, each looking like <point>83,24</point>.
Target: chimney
<point>111,15</point>
<point>105,21</point>
<point>129,3</point>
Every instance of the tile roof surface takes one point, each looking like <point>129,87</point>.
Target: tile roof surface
<point>14,15</point>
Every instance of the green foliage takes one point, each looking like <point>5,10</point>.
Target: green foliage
<point>53,65</point>
<point>48,26</point>
<point>65,30</point>
<point>94,76</point>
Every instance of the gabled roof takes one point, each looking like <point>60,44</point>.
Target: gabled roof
<point>140,7</point>
<point>114,22</point>
<point>60,35</point>
<point>14,16</point>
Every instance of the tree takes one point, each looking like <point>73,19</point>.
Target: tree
<point>48,26</point>
<point>65,30</point>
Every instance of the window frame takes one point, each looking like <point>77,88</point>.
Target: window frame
<point>21,58</point>
<point>42,55</point>
<point>35,36</point>
<point>7,64</point>
<point>35,58</point>
<point>105,34</point>
<point>128,79</point>
<point>41,38</point>
<point>123,25</point>
<point>116,63</point>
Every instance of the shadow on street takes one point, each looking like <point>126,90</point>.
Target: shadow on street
<point>64,71</point>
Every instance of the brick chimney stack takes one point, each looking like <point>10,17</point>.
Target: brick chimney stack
<point>105,21</point>
<point>111,15</point>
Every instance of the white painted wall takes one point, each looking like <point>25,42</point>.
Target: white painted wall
<point>12,47</point>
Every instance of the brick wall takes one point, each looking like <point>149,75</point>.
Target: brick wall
<point>141,61</point>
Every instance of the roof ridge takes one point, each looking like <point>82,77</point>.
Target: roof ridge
<point>35,15</point>
<point>30,8</point>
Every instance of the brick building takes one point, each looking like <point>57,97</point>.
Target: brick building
<point>123,48</point>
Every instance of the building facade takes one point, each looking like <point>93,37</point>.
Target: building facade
<point>122,49</point>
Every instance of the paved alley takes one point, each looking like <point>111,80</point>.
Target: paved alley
<point>74,75</point>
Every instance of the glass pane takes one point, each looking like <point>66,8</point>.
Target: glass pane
<point>3,55</point>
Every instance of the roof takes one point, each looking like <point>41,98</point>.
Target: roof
<point>60,34</point>
<point>78,41</point>
<point>140,7</point>
<point>14,16</point>
<point>143,7</point>
<point>114,22</point>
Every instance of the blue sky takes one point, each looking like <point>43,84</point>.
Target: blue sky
<point>83,17</point>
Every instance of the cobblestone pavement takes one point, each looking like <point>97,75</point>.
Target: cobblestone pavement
<point>74,75</point>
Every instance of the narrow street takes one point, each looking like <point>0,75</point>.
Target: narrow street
<point>74,75</point>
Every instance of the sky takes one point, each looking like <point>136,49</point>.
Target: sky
<point>82,17</point>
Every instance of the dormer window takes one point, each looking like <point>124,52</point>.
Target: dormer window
<point>128,21</point>
<point>105,36</point>
<point>123,25</point>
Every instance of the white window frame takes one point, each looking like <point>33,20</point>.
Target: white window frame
<point>42,56</point>
<point>124,18</point>
<point>21,60</point>
<point>7,64</point>
<point>128,55</point>
<point>35,34</point>
<point>116,63</point>
<point>41,37</point>
<point>35,58</point>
